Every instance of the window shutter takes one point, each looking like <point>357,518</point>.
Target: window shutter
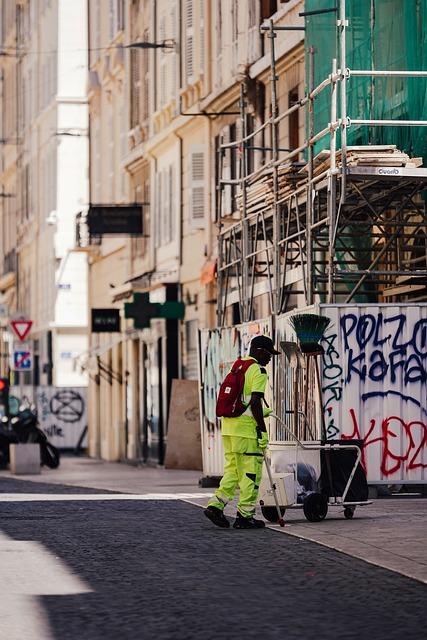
<point>226,192</point>
<point>135,88</point>
<point>218,66</point>
<point>172,222</point>
<point>146,81</point>
<point>112,19</point>
<point>172,59</point>
<point>202,36</point>
<point>158,208</point>
<point>164,238</point>
<point>163,65</point>
<point>235,33</point>
<point>197,186</point>
<point>189,41</point>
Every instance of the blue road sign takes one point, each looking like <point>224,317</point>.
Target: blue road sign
<point>22,360</point>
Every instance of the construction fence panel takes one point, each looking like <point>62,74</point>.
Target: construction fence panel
<point>61,412</point>
<point>373,382</point>
<point>219,348</point>
<point>374,385</point>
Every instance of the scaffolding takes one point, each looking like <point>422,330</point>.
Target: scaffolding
<point>327,229</point>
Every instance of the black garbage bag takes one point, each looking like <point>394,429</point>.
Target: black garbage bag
<point>341,463</point>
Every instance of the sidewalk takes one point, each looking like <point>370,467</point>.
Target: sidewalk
<point>116,476</point>
<point>390,533</point>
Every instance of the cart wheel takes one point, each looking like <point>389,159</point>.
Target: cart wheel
<point>349,512</point>
<point>270,513</point>
<point>315,507</point>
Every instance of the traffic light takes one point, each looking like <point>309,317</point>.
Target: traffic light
<point>4,396</point>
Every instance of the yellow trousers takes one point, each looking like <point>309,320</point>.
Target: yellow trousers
<point>243,469</point>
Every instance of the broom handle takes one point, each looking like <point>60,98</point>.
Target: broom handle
<point>324,435</point>
<point>307,383</point>
<point>274,490</point>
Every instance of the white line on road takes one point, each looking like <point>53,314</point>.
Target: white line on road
<point>29,570</point>
<point>64,497</point>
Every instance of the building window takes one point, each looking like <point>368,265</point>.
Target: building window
<point>268,8</point>
<point>293,119</point>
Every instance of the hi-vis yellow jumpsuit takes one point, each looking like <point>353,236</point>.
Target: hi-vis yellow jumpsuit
<point>243,457</point>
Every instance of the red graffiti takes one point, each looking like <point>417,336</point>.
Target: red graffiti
<point>410,438</point>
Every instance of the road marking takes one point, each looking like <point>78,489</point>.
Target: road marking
<point>29,570</point>
<point>68,497</point>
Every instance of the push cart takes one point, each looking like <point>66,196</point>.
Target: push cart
<point>316,474</point>
<point>313,477</point>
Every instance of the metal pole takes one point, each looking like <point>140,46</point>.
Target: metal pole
<point>309,231</point>
<point>275,154</point>
<point>332,185</point>
<point>342,24</point>
<point>218,203</point>
<point>245,227</point>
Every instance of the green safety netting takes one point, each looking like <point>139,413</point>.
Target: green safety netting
<point>382,35</point>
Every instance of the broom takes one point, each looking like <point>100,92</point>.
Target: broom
<point>309,329</point>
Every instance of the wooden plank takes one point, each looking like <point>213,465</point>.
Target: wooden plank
<point>183,450</point>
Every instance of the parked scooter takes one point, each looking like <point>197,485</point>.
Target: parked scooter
<point>23,428</point>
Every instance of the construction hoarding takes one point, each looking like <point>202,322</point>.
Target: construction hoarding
<point>373,378</point>
<point>374,385</point>
<point>219,348</point>
<point>61,412</point>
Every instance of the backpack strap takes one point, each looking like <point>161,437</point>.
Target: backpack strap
<point>245,365</point>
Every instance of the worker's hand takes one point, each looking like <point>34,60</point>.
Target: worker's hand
<point>263,440</point>
<point>266,411</point>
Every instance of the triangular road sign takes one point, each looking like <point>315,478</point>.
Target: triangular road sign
<point>21,328</point>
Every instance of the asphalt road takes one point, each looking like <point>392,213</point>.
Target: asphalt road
<point>160,570</point>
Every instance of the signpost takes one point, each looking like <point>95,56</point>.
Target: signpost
<point>105,320</point>
<point>22,359</point>
<point>117,219</point>
<point>142,310</point>
<point>21,327</point>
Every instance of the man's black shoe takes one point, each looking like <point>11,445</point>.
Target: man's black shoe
<point>247,523</point>
<point>216,516</point>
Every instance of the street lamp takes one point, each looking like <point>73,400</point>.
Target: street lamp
<point>165,44</point>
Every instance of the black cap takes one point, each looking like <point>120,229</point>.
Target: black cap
<point>264,342</point>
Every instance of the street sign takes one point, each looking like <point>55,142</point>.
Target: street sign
<point>21,327</point>
<point>22,360</point>
<point>142,310</point>
<point>105,320</point>
<point>117,219</point>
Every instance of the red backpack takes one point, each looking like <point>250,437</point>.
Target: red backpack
<point>229,403</point>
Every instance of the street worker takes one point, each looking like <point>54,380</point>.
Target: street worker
<point>244,435</point>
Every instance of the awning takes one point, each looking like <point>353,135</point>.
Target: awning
<point>208,272</point>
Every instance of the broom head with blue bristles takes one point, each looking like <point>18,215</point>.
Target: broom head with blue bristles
<point>309,329</point>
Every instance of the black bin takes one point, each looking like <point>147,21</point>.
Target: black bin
<point>341,463</point>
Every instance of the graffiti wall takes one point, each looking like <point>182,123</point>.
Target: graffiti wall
<point>373,378</point>
<point>219,348</point>
<point>62,412</point>
<point>374,384</point>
